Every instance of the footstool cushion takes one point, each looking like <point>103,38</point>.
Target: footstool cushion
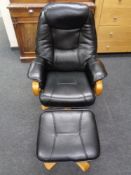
<point>67,135</point>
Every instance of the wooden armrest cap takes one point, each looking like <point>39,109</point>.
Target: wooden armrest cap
<point>98,87</point>
<point>35,88</point>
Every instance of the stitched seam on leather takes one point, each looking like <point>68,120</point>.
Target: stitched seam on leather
<point>52,91</point>
<point>67,133</point>
<point>66,29</point>
<point>50,31</point>
<point>54,121</point>
<point>82,94</point>
<point>38,63</point>
<point>78,48</point>
<point>55,59</point>
<point>73,83</point>
<point>67,97</point>
<point>81,139</point>
<point>53,147</point>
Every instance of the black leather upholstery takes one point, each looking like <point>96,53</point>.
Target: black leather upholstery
<point>95,70</point>
<point>66,29</point>
<point>66,42</point>
<point>74,15</point>
<point>67,136</point>
<point>67,89</point>
<point>37,71</point>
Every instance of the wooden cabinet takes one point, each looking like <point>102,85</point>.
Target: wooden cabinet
<point>25,15</point>
<point>113,22</point>
<point>25,19</point>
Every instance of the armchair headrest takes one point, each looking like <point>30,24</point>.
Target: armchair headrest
<point>66,15</point>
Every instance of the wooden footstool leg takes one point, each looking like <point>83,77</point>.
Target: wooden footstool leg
<point>44,107</point>
<point>84,166</point>
<point>49,166</point>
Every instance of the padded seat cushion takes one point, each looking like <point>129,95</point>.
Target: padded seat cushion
<point>67,89</point>
<point>67,136</point>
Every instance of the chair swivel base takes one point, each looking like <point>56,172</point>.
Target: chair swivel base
<point>67,135</point>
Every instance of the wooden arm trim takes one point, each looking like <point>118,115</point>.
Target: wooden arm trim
<point>35,88</point>
<point>98,88</point>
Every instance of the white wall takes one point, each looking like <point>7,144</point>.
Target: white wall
<point>8,23</point>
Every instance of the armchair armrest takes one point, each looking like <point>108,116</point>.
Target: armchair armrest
<point>96,71</point>
<point>36,71</point>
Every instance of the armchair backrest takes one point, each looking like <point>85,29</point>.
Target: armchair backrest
<point>66,36</point>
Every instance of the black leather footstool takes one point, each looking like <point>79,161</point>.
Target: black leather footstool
<point>67,135</point>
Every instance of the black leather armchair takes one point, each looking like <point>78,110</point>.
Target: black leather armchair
<point>66,72</point>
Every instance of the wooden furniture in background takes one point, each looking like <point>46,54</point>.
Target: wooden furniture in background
<point>113,23</point>
<point>25,15</point>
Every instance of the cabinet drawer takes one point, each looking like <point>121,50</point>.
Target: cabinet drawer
<point>25,12</point>
<point>117,3</point>
<point>113,46</point>
<point>34,9</point>
<point>114,39</point>
<point>114,33</point>
<point>116,16</point>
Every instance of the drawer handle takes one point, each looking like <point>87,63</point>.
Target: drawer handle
<point>115,18</point>
<point>30,11</point>
<point>107,46</point>
<point>119,2</point>
<point>111,34</point>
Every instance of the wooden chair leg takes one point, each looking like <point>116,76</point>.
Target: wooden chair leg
<point>44,107</point>
<point>49,166</point>
<point>84,166</point>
